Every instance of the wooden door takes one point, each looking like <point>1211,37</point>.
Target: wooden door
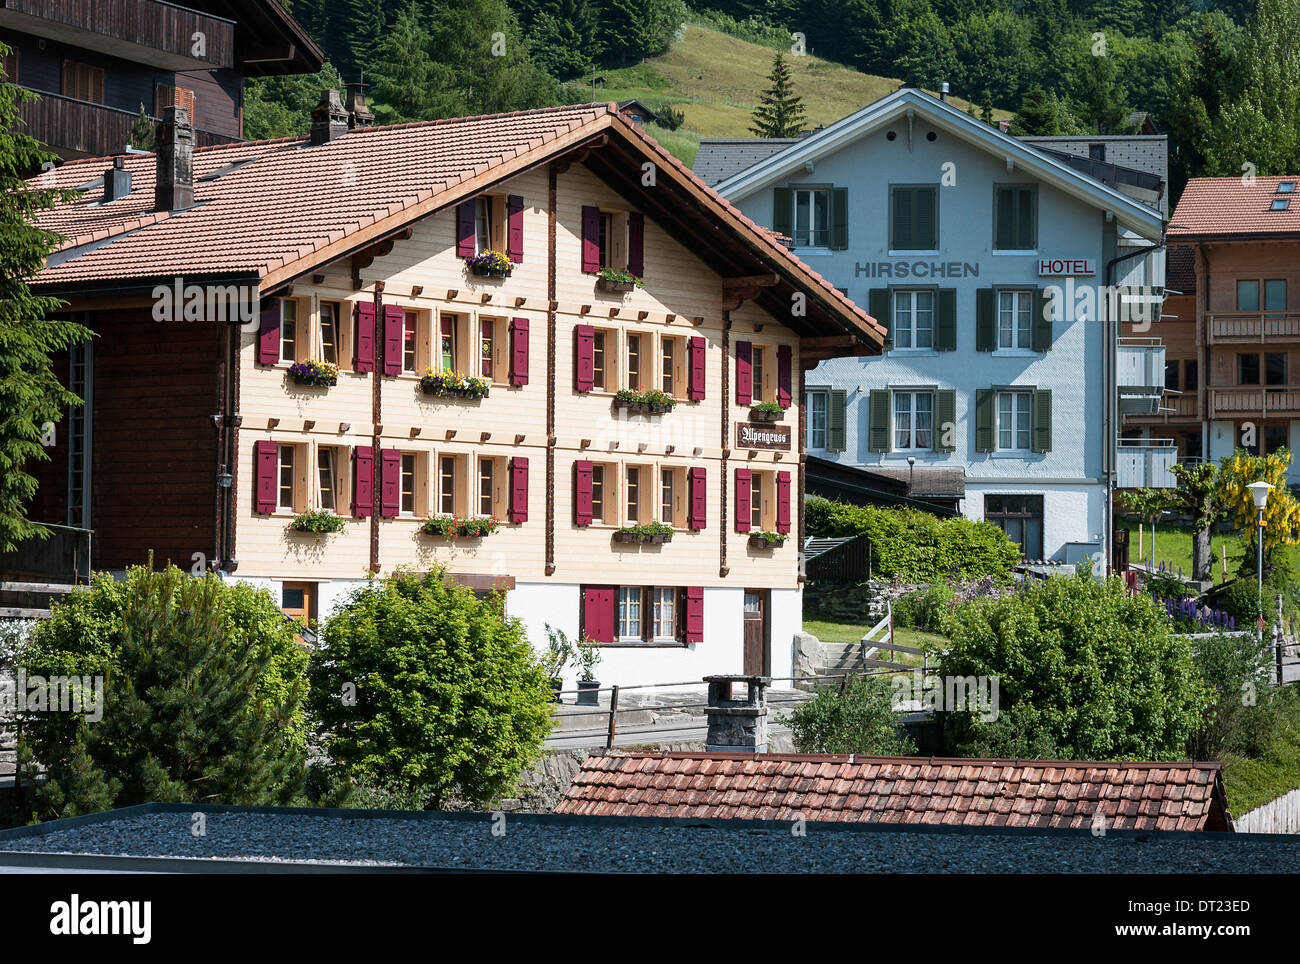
<point>756,658</point>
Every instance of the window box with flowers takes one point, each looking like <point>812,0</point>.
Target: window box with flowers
<point>322,522</point>
<point>611,279</point>
<point>767,540</point>
<point>490,264</point>
<point>649,402</point>
<point>454,527</point>
<point>314,372</point>
<point>652,533</point>
<point>453,385</point>
<point>766,412</point>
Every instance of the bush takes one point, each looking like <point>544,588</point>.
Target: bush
<point>857,719</point>
<point>925,608</point>
<point>670,117</point>
<point>424,689</point>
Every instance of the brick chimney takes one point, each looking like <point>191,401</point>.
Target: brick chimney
<point>174,188</point>
<point>737,714</point>
<point>359,114</point>
<point>117,181</point>
<point>328,118</point>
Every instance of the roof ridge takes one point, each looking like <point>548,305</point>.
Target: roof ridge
<point>929,760</point>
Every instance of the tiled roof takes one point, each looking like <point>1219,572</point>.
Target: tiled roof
<point>719,158</point>
<point>902,790</point>
<point>1180,269</point>
<point>1223,207</point>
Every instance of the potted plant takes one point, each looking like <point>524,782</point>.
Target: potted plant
<point>766,412</point>
<point>651,401</point>
<point>612,279</point>
<point>588,655</point>
<point>558,654</point>
<point>767,540</point>
<point>490,264</point>
<point>454,527</point>
<point>654,533</point>
<point>312,372</point>
<point>453,384</point>
<point>320,521</point>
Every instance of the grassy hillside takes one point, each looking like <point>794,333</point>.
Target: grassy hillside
<point>716,80</point>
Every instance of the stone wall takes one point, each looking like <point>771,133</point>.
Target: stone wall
<point>862,603</point>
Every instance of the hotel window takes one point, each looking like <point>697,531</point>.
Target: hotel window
<point>629,613</point>
<point>672,497</point>
<point>666,496</point>
<point>447,488</point>
<point>665,613</point>
<point>601,344</point>
<point>817,405</point>
<point>327,477</point>
<point>913,319</point>
<point>286,481</point>
<point>408,483</point>
<point>1015,415</point>
<point>599,503</point>
<point>633,502</point>
<point>288,330</point>
<point>491,491</point>
<point>1021,518</point>
<point>756,487</point>
<point>1275,368</point>
<point>1015,316</point>
<point>1015,218</point>
<point>410,341</point>
<point>914,217</point>
<point>913,420</point>
<point>812,217</point>
<point>668,365</point>
<point>329,331</point>
<point>758,369</point>
<point>634,356</point>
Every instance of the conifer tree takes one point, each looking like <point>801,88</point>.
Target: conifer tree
<point>780,112</point>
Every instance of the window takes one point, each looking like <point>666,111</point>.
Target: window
<point>598,493</point>
<point>756,501</point>
<point>816,403</point>
<point>666,496</point>
<point>1275,294</point>
<point>1171,376</point>
<point>606,240</point>
<point>913,420</point>
<point>913,319</point>
<point>1015,314</point>
<point>408,483</point>
<point>327,477</point>
<point>1276,437</point>
<point>599,368</point>
<point>1248,296</point>
<point>1021,518</point>
<point>812,217</point>
<point>914,217</point>
<point>1097,152</point>
<point>665,613</point>
<point>634,360</point>
<point>1286,187</point>
<point>482,224</point>
<point>298,601</point>
<point>447,343</point>
<point>285,501</point>
<point>633,495</point>
<point>84,82</point>
<point>1275,368</point>
<point>1279,204</point>
<point>447,485</point>
<point>288,330</point>
<point>668,365</point>
<point>629,612</point>
<point>1015,218</point>
<point>410,333</point>
<point>485,475</point>
<point>329,331</point>
<point>1014,420</point>
<point>1191,375</point>
<point>1248,369</point>
<point>758,369</point>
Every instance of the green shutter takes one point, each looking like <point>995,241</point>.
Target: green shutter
<point>1004,232</point>
<point>986,401</point>
<point>839,218</point>
<point>901,220</point>
<point>1043,421</point>
<point>835,421</point>
<point>1042,328</point>
<point>945,421</point>
<point>945,330</point>
<point>985,330</point>
<point>782,211</point>
<point>925,210</point>
<point>881,307</point>
<point>878,440</point>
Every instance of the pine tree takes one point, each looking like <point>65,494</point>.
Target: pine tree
<point>780,112</point>
<point>986,112</point>
<point>141,135</point>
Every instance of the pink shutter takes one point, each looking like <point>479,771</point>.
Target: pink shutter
<point>699,503</point>
<point>265,459</point>
<point>783,502</point>
<point>693,614</point>
<point>584,362</point>
<point>390,482</point>
<point>582,493</point>
<point>518,511</point>
<point>465,229</point>
<point>393,324</point>
<point>268,335</point>
<point>636,244</point>
<point>783,376</point>
<point>598,613</point>
<point>697,372</point>
<point>515,228</point>
<point>590,239</point>
<point>519,351</point>
<point>744,373</point>
<point>743,498</point>
<point>363,473</point>
<point>363,352</point>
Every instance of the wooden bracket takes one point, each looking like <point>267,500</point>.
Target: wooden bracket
<point>318,278</point>
<point>519,301</point>
<point>736,291</point>
<point>668,319</point>
<point>308,424</point>
<point>519,439</point>
<point>642,315</point>
<point>584,443</point>
<point>272,423</point>
<point>415,430</point>
<point>484,436</point>
<point>417,290</point>
<point>452,294</point>
<point>451,434</point>
<point>485,297</point>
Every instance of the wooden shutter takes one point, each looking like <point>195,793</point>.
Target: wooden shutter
<point>465,229</point>
<point>783,375</point>
<point>878,403</point>
<point>925,230</point>
<point>363,474</point>
<point>783,211</point>
<point>598,613</point>
<point>744,373</point>
<point>390,482</point>
<point>590,238</point>
<point>83,82</point>
<point>902,221</point>
<point>518,510</point>
<point>783,502</point>
<point>519,351</point>
<point>393,327</point>
<point>636,244</point>
<point>986,406</point>
<point>266,474</point>
<point>693,614</point>
<point>166,96</point>
<point>584,361</point>
<point>880,305</point>
<point>1042,322</point>
<point>839,218</point>
<point>945,414</point>
<point>268,335</point>
<point>985,323</point>
<point>945,330</point>
<point>582,493</point>
<point>697,486</point>
<point>1043,420</point>
<point>698,371</point>
<point>515,228</point>
<point>835,419</point>
<point>363,345</point>
<point>743,498</point>
<point>1004,217</point>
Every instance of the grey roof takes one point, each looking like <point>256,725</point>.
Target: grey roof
<point>815,546</point>
<point>928,483</point>
<point>720,157</point>
<point>1148,153</point>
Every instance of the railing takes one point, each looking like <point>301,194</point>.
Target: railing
<point>1141,363</point>
<point>62,558</point>
<point>1258,326</point>
<point>1142,463</point>
<point>1254,400</point>
<point>85,128</point>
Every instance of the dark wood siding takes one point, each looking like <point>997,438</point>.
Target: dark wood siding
<point>51,501</point>
<point>216,100</point>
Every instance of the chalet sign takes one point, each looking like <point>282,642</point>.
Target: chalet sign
<point>753,436</point>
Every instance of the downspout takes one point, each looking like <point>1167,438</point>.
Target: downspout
<point>228,421</point>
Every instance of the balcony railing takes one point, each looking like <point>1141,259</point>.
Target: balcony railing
<point>1253,326</point>
<point>1140,375</point>
<point>80,127</point>
<point>1146,462</point>
<point>1255,400</point>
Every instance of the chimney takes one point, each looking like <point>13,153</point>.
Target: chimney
<point>174,188</point>
<point>117,181</point>
<point>359,114</point>
<point>943,92</point>
<point>328,118</point>
<point>737,714</point>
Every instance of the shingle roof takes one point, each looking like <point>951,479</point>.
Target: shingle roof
<point>719,158</point>
<point>924,790</point>
<point>928,483</point>
<point>1180,269</point>
<point>1224,207</point>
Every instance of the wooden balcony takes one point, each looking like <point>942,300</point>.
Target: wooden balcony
<point>77,128</point>
<point>1255,401</point>
<point>162,35</point>
<point>1245,327</point>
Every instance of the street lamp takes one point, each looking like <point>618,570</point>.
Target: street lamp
<point>1259,492</point>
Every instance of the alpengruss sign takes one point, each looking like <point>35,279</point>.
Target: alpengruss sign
<point>750,435</point>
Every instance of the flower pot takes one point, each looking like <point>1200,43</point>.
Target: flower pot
<point>315,382</point>
<point>758,415</point>
<point>483,272</point>
<point>758,542</point>
<point>604,284</point>
<point>642,408</point>
<point>588,692</point>
<point>660,538</point>
<point>557,685</point>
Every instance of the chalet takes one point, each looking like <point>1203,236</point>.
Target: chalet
<point>530,349</point>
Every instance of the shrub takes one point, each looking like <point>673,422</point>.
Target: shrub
<point>925,608</point>
<point>670,118</point>
<point>858,719</point>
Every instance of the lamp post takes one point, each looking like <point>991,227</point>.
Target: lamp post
<point>1259,492</point>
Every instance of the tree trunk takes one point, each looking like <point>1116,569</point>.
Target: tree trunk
<point>1202,558</point>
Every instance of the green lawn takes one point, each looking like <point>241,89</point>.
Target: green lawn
<point>1174,548</point>
<point>852,633</point>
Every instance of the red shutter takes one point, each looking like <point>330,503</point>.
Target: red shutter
<point>783,502</point>
<point>693,614</point>
<point>393,323</point>
<point>636,244</point>
<point>598,613</point>
<point>582,493</point>
<point>743,502</point>
<point>699,503</point>
<point>697,372</point>
<point>363,352</point>
<point>518,511</point>
<point>515,228</point>
<point>584,362</point>
<point>519,351</point>
<point>268,335</point>
<point>590,239</point>
<point>465,229</point>
<point>363,473</point>
<point>390,482</point>
<point>265,461</point>
<point>783,375</point>
<point>744,373</point>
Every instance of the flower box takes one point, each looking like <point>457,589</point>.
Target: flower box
<point>490,264</point>
<point>452,527</point>
<point>314,373</point>
<point>612,279</point>
<point>767,540</point>
<point>649,402</point>
<point>605,284</point>
<point>454,385</point>
<point>643,408</point>
<point>654,534</point>
<point>765,414</point>
<point>483,271</point>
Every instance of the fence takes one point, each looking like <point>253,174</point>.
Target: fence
<point>1277,816</point>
